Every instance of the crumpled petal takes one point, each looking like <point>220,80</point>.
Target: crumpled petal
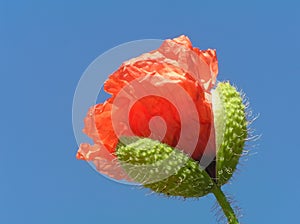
<point>105,162</point>
<point>98,125</point>
<point>201,64</point>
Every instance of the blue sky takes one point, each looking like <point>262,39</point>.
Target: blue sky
<point>46,46</point>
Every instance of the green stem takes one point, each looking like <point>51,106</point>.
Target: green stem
<point>225,205</point>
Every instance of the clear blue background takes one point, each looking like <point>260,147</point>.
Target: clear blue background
<point>46,45</point>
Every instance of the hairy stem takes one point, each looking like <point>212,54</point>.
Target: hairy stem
<point>225,205</point>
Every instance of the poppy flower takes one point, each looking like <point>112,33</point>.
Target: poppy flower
<point>165,115</point>
<point>145,103</point>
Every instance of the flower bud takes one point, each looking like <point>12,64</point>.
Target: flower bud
<point>230,130</point>
<point>162,168</point>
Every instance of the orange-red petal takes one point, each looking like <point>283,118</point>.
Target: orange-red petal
<point>201,64</point>
<point>104,161</point>
<point>140,77</point>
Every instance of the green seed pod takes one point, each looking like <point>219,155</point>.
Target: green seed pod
<point>162,168</point>
<point>230,129</point>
